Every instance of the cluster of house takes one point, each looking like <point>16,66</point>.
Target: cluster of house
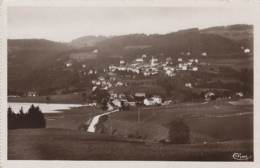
<point>102,82</point>
<point>153,66</point>
<point>132,100</point>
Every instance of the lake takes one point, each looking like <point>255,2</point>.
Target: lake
<point>45,107</point>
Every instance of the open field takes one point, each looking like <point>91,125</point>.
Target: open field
<point>218,130</point>
<point>71,119</point>
<point>218,120</point>
<point>236,63</point>
<point>62,144</point>
<point>83,56</point>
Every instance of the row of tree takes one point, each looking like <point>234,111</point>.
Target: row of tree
<point>32,119</point>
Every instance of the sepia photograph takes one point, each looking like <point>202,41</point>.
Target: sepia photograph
<point>129,83</point>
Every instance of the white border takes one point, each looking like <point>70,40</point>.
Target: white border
<point>126,164</point>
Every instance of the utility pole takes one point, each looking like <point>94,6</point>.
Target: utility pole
<point>138,119</point>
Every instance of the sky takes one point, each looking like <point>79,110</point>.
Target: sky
<point>67,23</point>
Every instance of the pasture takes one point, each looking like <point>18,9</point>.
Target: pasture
<point>64,144</point>
<point>217,120</point>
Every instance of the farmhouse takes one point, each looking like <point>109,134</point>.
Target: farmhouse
<point>148,102</point>
<point>208,95</point>
<point>32,94</point>
<point>157,99</point>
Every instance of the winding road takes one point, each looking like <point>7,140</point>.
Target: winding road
<point>94,121</point>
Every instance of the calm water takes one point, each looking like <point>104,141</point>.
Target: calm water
<point>45,108</point>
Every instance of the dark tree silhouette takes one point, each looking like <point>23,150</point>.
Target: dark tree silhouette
<point>35,118</point>
<point>179,132</point>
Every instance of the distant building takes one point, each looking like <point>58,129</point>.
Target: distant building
<point>148,102</point>
<point>204,54</point>
<point>208,95</point>
<point>122,61</point>
<point>247,50</point>
<point>188,85</point>
<point>139,60</point>
<point>139,94</point>
<point>157,99</point>
<point>119,84</point>
<point>32,94</point>
<point>179,59</point>
<point>132,103</point>
<point>239,94</point>
<point>196,60</point>
<point>68,64</point>
<point>195,68</point>
<point>101,78</point>
<point>95,51</point>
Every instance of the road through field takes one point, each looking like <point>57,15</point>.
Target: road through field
<point>94,121</point>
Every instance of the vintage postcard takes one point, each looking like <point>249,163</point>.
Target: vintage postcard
<point>127,83</point>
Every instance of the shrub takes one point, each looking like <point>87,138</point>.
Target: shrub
<point>179,132</point>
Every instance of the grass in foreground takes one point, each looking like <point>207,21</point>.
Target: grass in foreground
<point>62,144</point>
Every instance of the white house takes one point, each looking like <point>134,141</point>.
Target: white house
<point>139,60</point>
<point>32,94</point>
<point>196,60</point>
<point>194,68</point>
<point>209,94</point>
<point>148,102</point>
<point>68,64</point>
<point>188,85</point>
<point>95,51</point>
<point>247,50</point>
<point>204,54</point>
<point>83,66</point>
<point>113,95</point>
<point>119,83</point>
<point>122,61</point>
<point>101,78</point>
<point>143,56</point>
<point>240,94</point>
<point>179,59</point>
<point>184,68</point>
<point>157,99</point>
<point>139,94</point>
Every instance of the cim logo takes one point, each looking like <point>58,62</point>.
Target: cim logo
<point>240,157</point>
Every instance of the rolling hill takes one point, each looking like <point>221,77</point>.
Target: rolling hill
<point>36,64</point>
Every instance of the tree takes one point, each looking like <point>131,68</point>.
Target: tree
<point>11,118</point>
<point>35,118</point>
<point>100,127</point>
<point>104,104</point>
<point>179,132</point>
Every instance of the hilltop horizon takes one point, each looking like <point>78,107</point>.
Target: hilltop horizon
<point>147,34</point>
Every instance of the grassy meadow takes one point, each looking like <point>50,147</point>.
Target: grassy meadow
<point>218,129</point>
<point>62,144</point>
